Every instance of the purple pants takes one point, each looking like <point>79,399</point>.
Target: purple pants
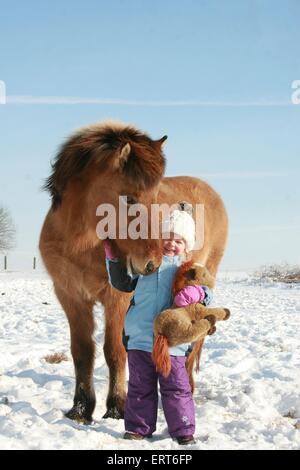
<point>142,399</point>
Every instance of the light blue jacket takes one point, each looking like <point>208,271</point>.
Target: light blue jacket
<point>153,293</point>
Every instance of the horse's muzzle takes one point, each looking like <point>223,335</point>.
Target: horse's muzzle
<point>149,268</point>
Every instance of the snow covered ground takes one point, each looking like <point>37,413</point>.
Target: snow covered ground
<point>248,389</point>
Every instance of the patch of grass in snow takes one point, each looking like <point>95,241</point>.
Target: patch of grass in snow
<point>286,273</point>
<point>56,358</point>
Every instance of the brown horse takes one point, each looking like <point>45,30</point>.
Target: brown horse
<point>96,165</point>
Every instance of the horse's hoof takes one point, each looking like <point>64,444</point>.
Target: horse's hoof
<point>227,311</point>
<point>114,413</point>
<point>76,414</point>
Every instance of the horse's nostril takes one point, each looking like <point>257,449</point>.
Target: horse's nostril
<point>149,267</point>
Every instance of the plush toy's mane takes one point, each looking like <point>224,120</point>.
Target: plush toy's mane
<point>180,277</point>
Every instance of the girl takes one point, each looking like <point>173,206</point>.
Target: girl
<point>152,295</point>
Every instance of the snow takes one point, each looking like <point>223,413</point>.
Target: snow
<point>247,392</point>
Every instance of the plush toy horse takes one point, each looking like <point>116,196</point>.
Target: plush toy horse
<point>188,320</point>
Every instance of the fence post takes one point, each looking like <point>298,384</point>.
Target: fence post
<point>34,262</point>
<point>5,263</point>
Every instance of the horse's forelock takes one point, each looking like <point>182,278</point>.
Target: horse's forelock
<point>145,165</point>
<point>100,143</point>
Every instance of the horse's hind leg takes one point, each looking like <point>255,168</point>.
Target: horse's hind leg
<point>116,305</point>
<point>214,258</point>
<point>81,321</point>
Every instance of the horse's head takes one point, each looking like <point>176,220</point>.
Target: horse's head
<point>105,170</point>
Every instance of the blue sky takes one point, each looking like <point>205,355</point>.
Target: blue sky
<point>215,76</point>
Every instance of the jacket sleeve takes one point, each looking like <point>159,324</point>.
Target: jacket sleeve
<point>118,276</point>
<point>208,295</point>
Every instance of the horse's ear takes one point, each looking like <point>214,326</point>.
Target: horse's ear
<point>123,156</point>
<point>162,141</point>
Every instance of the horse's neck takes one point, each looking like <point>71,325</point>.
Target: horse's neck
<point>76,228</point>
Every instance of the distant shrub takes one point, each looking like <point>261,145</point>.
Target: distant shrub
<point>280,273</point>
<point>7,231</point>
<point>56,358</point>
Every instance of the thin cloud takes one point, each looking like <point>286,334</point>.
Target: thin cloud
<point>77,100</point>
<point>246,174</point>
<point>264,228</point>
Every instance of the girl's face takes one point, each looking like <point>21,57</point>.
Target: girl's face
<point>173,246</point>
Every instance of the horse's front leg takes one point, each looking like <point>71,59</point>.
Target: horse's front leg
<point>116,305</point>
<point>80,316</point>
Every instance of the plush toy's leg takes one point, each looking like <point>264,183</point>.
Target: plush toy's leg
<point>219,313</point>
<point>203,327</point>
<point>212,320</point>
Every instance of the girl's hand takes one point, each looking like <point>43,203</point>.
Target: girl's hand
<point>189,295</point>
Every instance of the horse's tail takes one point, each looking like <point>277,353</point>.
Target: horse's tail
<point>193,357</point>
<point>161,356</point>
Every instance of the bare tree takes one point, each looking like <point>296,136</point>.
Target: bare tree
<point>7,231</point>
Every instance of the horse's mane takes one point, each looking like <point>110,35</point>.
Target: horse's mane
<point>99,143</point>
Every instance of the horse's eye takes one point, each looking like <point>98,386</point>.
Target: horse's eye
<point>129,200</point>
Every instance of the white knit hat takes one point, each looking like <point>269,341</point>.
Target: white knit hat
<point>180,223</point>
